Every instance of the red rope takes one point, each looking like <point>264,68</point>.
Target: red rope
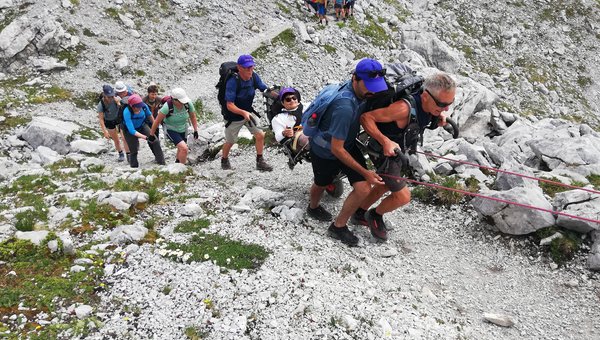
<point>464,192</point>
<point>510,173</point>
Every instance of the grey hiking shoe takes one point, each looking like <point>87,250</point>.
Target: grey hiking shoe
<point>225,165</point>
<point>262,165</point>
<point>359,219</point>
<point>376,225</point>
<point>319,213</point>
<point>343,234</point>
<point>121,157</point>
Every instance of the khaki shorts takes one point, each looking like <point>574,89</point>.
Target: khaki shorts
<point>232,131</point>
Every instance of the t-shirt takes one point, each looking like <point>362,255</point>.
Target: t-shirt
<point>112,110</point>
<point>135,120</point>
<point>340,120</point>
<point>339,2</point>
<point>243,98</point>
<point>178,121</point>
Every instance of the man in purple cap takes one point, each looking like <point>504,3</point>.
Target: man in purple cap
<point>339,127</point>
<point>239,96</point>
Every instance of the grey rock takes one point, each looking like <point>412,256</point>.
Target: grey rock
<point>261,197</point>
<point>49,64</point>
<point>176,168</point>
<point>546,241</point>
<point>93,147</point>
<point>83,311</point>
<point>499,319</point>
<point>53,246</point>
<point>49,132</point>
<point>127,234</point>
<point>126,21</point>
<point>35,237</point>
<point>44,156</point>
<point>77,269</point>
<point>191,209</point>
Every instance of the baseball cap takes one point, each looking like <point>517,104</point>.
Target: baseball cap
<point>179,94</point>
<point>135,100</point>
<point>285,91</point>
<point>245,60</point>
<point>371,72</point>
<point>108,91</point>
<point>120,86</point>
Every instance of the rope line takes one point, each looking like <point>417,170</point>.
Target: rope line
<point>510,173</point>
<point>464,192</point>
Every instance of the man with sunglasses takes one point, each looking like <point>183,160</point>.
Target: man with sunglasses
<point>239,96</point>
<point>387,125</point>
<point>334,149</point>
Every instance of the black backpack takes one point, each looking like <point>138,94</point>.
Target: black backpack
<point>227,70</point>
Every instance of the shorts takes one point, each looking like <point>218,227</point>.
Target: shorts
<point>322,10</point>
<point>325,170</point>
<point>234,127</point>
<point>336,6</point>
<point>176,137</point>
<point>390,171</point>
<point>111,124</point>
<point>349,4</point>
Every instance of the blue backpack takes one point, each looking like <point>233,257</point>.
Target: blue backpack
<point>311,118</point>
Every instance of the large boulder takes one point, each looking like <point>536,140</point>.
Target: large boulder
<point>49,132</point>
<point>514,219</point>
<point>127,234</point>
<point>581,204</point>
<point>433,49</point>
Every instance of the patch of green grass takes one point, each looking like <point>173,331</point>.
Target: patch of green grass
<point>198,12</point>
<point>70,55</point>
<point>94,184</point>
<point>75,2</point>
<point>25,221</point>
<point>223,251</point>
<point>371,31</point>
<point>87,100</point>
<point>87,133</point>
<point>96,214</point>
<point>12,122</point>
<point>139,73</point>
<point>432,195</point>
<point>285,8</point>
<point>286,38</point>
<point>561,249</point>
<point>9,16</point>
<point>42,281</point>
<point>192,226</point>
<point>594,179</point>
<point>329,49</point>
<point>104,76</point>
<point>202,114</point>
<point>261,52</point>
<point>154,195</point>
<point>584,81</point>
<point>552,189</point>
<point>242,141</point>
<point>103,42</point>
<point>88,33</point>
<point>112,12</point>
<point>360,54</point>
<point>195,333</point>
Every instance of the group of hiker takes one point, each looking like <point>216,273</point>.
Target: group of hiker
<point>327,130</point>
<point>343,9</point>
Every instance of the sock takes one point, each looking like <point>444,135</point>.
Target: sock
<point>360,212</point>
<point>259,157</point>
<point>176,160</point>
<point>223,160</point>
<point>121,152</point>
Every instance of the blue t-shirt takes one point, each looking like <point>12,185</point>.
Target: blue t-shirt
<point>341,121</point>
<point>134,121</point>
<point>243,98</point>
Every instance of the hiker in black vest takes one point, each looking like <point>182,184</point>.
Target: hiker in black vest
<point>108,113</point>
<point>239,96</point>
<point>389,127</point>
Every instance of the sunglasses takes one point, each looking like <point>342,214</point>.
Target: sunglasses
<point>290,98</point>
<point>437,102</point>
<point>370,74</point>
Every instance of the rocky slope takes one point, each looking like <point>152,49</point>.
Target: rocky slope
<point>118,235</point>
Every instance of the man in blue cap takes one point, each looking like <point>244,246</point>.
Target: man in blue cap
<point>340,125</point>
<point>239,96</point>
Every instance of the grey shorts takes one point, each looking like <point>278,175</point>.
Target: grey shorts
<point>232,131</point>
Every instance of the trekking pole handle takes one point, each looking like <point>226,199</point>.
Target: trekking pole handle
<point>453,125</point>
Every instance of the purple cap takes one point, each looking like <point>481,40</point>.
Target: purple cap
<point>245,60</point>
<point>371,72</point>
<point>286,90</point>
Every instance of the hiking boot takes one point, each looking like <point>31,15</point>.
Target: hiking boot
<point>121,157</point>
<point>319,213</point>
<point>376,224</point>
<point>225,165</point>
<point>343,234</point>
<point>262,165</point>
<point>128,157</point>
<point>358,218</point>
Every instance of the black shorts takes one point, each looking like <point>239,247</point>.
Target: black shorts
<point>390,171</point>
<point>325,170</point>
<point>111,124</point>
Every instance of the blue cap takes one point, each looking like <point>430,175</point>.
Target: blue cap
<point>286,90</point>
<point>108,91</point>
<point>245,60</point>
<point>371,72</point>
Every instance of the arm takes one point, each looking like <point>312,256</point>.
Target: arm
<point>192,115</point>
<point>395,112</point>
<point>102,126</point>
<point>338,150</point>
<point>231,107</point>
<point>161,116</point>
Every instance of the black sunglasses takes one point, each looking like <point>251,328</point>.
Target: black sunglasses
<point>437,102</point>
<point>370,74</point>
<point>290,98</point>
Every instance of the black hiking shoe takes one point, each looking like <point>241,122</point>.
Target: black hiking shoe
<point>225,165</point>
<point>262,165</point>
<point>343,234</point>
<point>376,224</point>
<point>319,213</point>
<point>359,219</point>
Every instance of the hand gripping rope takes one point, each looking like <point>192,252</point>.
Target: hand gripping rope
<point>464,192</point>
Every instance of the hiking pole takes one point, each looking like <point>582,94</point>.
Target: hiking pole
<point>511,173</point>
<point>464,192</point>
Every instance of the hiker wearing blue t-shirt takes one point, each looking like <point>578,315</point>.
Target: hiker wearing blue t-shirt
<point>135,117</point>
<point>388,126</point>
<point>339,127</point>
<point>239,96</point>
<point>339,9</point>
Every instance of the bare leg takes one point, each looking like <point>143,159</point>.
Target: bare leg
<point>114,135</point>
<point>182,152</point>
<point>316,192</point>
<point>352,202</point>
<point>260,142</point>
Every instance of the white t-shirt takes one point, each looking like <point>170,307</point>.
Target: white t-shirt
<point>280,122</point>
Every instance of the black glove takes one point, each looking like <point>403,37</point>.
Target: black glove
<point>151,138</point>
<point>195,134</point>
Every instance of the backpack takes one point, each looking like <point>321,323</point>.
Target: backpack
<point>101,99</point>
<point>311,118</point>
<point>169,101</point>
<point>227,70</point>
